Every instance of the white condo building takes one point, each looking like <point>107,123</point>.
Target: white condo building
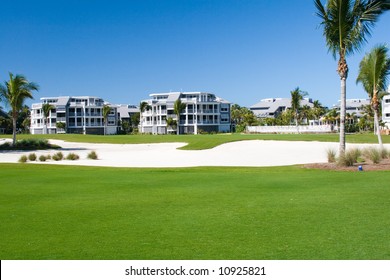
<point>80,114</point>
<point>204,112</point>
<point>386,109</point>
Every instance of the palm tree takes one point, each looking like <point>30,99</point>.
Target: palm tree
<point>346,24</point>
<point>178,107</point>
<point>46,108</point>
<point>373,72</point>
<point>143,106</point>
<point>105,112</point>
<point>297,96</point>
<point>15,91</point>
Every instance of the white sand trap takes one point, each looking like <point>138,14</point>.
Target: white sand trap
<point>242,153</point>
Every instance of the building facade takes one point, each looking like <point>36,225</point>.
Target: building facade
<point>354,107</point>
<point>73,114</point>
<point>386,110</point>
<point>204,112</point>
<point>273,107</point>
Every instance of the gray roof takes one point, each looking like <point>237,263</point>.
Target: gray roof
<point>271,105</point>
<point>126,110</point>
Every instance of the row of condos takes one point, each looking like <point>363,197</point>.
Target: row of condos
<point>81,114</point>
<point>203,112</point>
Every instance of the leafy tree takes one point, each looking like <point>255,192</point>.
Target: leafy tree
<point>171,123</point>
<point>242,117</point>
<point>15,91</point>
<point>373,72</point>
<point>178,107</point>
<point>347,24</point>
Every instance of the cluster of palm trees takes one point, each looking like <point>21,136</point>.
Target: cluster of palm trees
<point>346,26</point>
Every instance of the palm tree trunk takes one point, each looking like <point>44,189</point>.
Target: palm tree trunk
<point>342,115</point>
<point>378,131</point>
<point>14,130</point>
<point>178,125</point>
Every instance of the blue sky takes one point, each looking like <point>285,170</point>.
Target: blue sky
<point>241,50</point>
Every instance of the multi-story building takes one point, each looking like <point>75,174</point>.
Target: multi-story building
<point>204,112</point>
<point>354,106</point>
<point>386,110</point>
<point>273,107</point>
<point>78,114</point>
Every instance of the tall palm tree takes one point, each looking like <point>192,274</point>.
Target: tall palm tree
<point>347,24</point>
<point>143,106</point>
<point>178,107</point>
<point>15,91</point>
<point>105,112</point>
<point>373,72</point>
<point>46,108</point>
<point>297,96</point>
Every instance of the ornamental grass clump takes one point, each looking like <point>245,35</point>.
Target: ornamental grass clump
<point>350,157</point>
<point>92,155</point>
<point>373,154</point>
<point>331,153</point>
<point>72,156</point>
<point>23,159</point>
<point>32,157</point>
<point>57,156</point>
<point>44,158</point>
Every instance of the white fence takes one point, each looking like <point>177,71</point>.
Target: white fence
<point>291,129</point>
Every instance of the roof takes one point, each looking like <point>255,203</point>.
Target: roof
<point>125,110</point>
<point>272,104</point>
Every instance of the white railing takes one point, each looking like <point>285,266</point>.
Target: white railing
<point>291,129</point>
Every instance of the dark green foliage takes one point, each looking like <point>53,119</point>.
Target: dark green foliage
<point>29,144</point>
<point>32,157</point>
<point>58,156</point>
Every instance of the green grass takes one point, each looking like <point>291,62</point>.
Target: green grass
<point>199,142</point>
<point>66,212</point>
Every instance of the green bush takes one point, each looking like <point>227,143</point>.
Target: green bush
<point>32,157</point>
<point>23,159</point>
<point>29,144</point>
<point>92,155</point>
<point>72,156</point>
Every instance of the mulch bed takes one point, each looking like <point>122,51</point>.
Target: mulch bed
<point>367,166</point>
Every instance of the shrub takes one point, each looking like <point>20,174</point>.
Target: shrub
<point>23,159</point>
<point>384,153</point>
<point>42,158</point>
<point>373,154</point>
<point>92,155</point>
<point>29,144</point>
<point>331,155</point>
<point>57,156</point>
<point>72,156</point>
<point>32,157</point>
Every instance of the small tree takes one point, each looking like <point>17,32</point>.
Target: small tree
<point>373,72</point>
<point>15,91</point>
<point>297,96</point>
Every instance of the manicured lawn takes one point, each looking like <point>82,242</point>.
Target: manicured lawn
<point>199,142</point>
<point>65,212</point>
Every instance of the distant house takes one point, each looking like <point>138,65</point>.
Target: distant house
<point>79,114</point>
<point>127,111</point>
<point>204,112</point>
<point>354,106</point>
<point>273,107</point>
<point>5,116</point>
